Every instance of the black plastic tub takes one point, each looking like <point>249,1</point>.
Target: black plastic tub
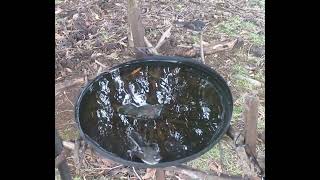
<point>90,135</point>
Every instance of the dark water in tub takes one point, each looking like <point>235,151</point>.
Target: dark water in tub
<point>175,107</point>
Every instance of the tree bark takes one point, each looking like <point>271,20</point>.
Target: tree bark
<point>136,26</point>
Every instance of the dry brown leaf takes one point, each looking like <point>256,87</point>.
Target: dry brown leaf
<point>149,174</point>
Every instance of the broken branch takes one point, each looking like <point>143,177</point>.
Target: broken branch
<point>99,63</point>
<point>201,48</point>
<point>68,145</point>
<point>197,174</point>
<point>164,36</point>
<point>151,49</point>
<point>207,49</point>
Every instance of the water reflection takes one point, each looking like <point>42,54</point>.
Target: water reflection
<point>175,109</point>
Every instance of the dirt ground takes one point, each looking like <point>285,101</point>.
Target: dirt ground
<point>93,32</point>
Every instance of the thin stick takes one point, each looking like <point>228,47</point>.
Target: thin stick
<point>197,174</point>
<point>115,167</point>
<point>135,172</point>
<point>164,36</point>
<point>64,111</point>
<point>102,65</point>
<point>150,46</point>
<point>76,156</point>
<point>68,98</point>
<point>201,48</point>
<point>104,168</point>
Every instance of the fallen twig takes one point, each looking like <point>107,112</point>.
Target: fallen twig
<point>214,48</point>
<point>76,157</point>
<point>135,172</point>
<point>151,49</point>
<point>201,47</point>
<point>164,36</point>
<point>99,63</point>
<point>207,49</point>
<point>68,98</point>
<point>197,174</point>
<point>68,145</point>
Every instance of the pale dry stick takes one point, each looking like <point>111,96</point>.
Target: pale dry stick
<point>121,41</point>
<point>76,157</point>
<point>106,168</point>
<point>249,51</point>
<point>115,167</point>
<point>99,71</point>
<point>221,156</point>
<point>135,172</point>
<point>198,174</point>
<point>64,111</point>
<point>99,63</point>
<point>201,47</point>
<point>68,98</point>
<point>150,46</point>
<point>130,38</point>
<point>164,36</point>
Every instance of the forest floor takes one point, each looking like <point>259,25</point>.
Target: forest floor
<point>93,32</point>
